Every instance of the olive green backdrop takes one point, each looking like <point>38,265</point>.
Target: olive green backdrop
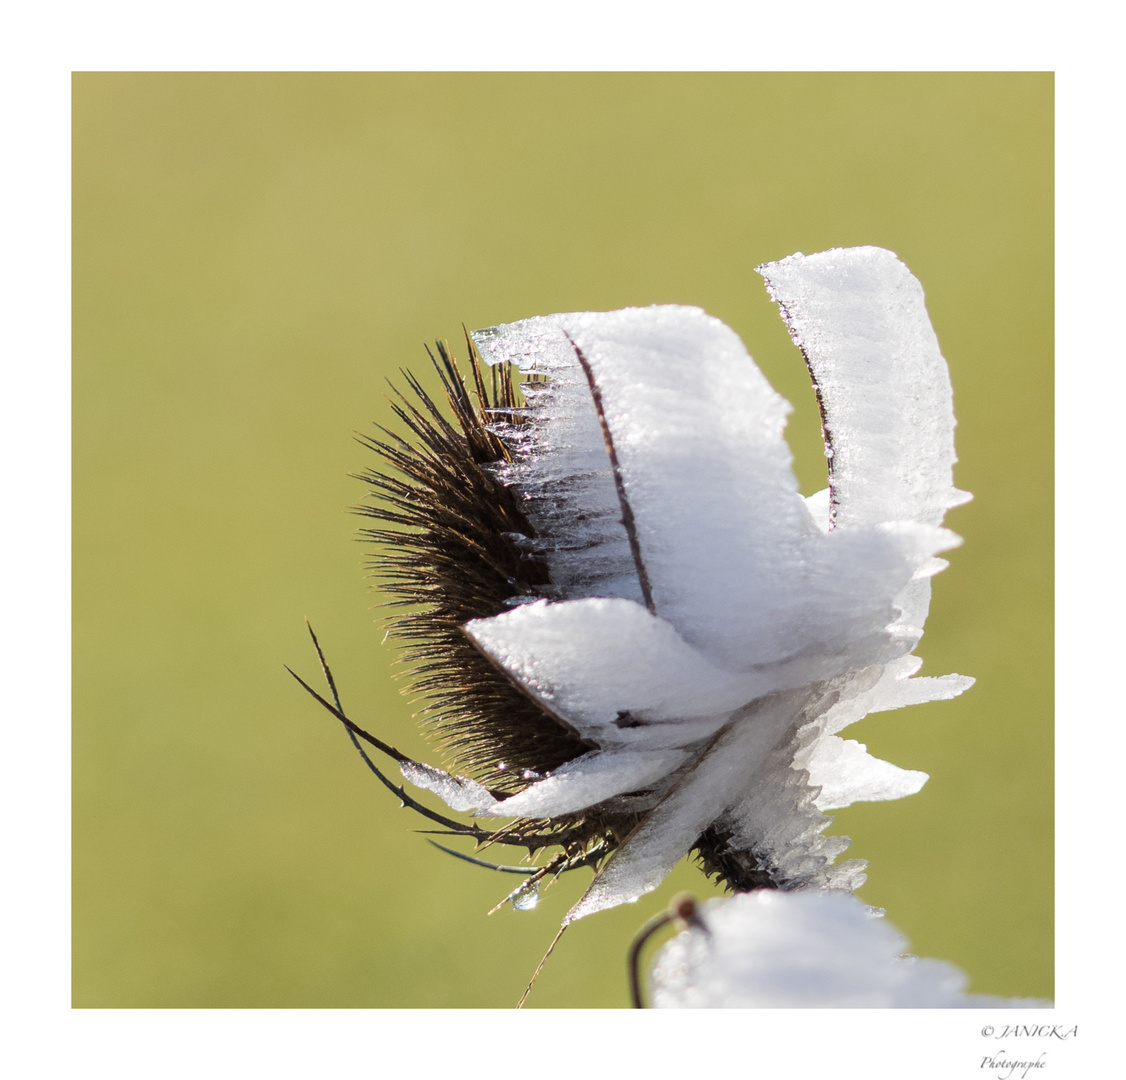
<point>254,254</point>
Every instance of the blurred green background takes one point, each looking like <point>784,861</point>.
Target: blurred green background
<point>254,254</point>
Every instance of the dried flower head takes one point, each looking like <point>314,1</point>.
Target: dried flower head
<point>633,635</point>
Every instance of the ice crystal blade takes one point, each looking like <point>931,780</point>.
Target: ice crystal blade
<point>893,688</point>
<point>610,668</point>
<point>714,783</point>
<point>589,780</point>
<point>561,467</point>
<point>859,317</point>
<point>458,792</point>
<point>707,474</point>
<point>846,773</point>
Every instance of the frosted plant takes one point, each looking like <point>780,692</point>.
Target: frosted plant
<point>807,949</point>
<point>635,636</point>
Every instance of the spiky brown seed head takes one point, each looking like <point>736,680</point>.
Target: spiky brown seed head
<point>453,545</point>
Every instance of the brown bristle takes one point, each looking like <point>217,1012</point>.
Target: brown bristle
<point>738,870</point>
<point>448,554</point>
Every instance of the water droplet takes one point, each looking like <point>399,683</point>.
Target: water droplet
<point>527,896</point>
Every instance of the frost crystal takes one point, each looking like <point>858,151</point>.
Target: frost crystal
<point>706,631</point>
<point>817,950</point>
<point>458,792</point>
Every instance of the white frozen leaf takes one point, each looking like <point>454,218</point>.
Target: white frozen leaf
<point>707,475</point>
<point>589,780</point>
<point>859,317</point>
<point>562,470</point>
<point>623,677</point>
<point>714,782</point>
<point>805,950</point>
<point>607,666</point>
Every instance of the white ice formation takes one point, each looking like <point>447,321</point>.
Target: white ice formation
<point>710,630</point>
<point>806,949</point>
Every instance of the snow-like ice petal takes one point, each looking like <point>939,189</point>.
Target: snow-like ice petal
<point>457,792</point>
<point>589,780</point>
<point>859,317</point>
<point>611,669</point>
<point>707,475</point>
<point>714,782</point>
<point>894,689</point>
<point>561,468</point>
<point>847,773</point>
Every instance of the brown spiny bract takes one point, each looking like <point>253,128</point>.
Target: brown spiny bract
<point>453,546</point>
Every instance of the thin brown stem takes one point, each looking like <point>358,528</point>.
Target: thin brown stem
<point>682,909</point>
<point>619,480</point>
